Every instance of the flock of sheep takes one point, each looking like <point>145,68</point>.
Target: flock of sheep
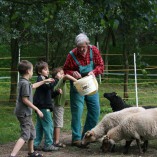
<point>125,123</point>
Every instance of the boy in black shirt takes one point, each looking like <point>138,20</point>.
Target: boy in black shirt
<point>42,99</point>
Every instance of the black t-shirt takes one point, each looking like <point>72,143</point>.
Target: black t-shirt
<point>43,94</point>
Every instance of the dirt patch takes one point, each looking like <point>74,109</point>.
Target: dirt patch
<point>92,151</point>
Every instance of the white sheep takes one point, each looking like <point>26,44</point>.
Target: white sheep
<point>109,121</point>
<point>140,126</point>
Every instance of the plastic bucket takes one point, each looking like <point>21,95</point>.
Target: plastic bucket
<point>87,85</point>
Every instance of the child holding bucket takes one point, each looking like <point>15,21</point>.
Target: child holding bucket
<point>59,101</point>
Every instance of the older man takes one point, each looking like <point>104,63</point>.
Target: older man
<point>83,60</point>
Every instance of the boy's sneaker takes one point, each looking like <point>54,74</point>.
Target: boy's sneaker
<point>35,154</point>
<point>50,148</point>
<point>61,145</point>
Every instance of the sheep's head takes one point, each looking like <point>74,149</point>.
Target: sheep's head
<point>107,144</point>
<point>110,96</point>
<point>88,137</point>
<point>116,102</point>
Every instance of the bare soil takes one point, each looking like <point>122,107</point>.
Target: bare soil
<point>70,151</point>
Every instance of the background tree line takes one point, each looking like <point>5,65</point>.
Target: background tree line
<point>55,23</point>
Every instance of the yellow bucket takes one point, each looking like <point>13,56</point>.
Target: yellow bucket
<point>87,85</point>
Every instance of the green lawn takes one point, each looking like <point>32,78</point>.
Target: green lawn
<point>10,128</point>
<point>146,89</point>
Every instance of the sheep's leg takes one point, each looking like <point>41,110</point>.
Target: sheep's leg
<point>126,148</point>
<point>145,145</point>
<point>139,146</point>
<point>112,149</point>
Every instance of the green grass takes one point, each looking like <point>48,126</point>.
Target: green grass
<point>9,125</point>
<point>4,89</point>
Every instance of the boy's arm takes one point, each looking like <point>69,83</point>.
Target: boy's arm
<point>37,84</point>
<point>69,77</point>
<point>28,103</point>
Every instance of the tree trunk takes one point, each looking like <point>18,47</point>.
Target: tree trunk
<point>107,42</point>
<point>96,40</point>
<point>14,73</point>
<point>125,35</point>
<point>126,75</point>
<point>47,48</point>
<point>110,35</point>
<point>126,69</point>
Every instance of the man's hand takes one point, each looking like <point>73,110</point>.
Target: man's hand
<point>76,74</point>
<point>91,73</point>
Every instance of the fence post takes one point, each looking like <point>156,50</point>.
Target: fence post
<point>135,80</point>
<point>18,75</point>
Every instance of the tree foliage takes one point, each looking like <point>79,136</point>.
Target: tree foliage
<point>56,23</point>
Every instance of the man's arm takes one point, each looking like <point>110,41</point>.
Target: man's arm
<point>70,66</point>
<point>98,62</point>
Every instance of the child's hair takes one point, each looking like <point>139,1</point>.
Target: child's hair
<point>23,66</point>
<point>40,66</point>
<point>55,71</point>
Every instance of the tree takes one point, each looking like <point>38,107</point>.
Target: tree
<point>132,24</point>
<point>131,18</point>
<point>22,20</point>
<point>56,23</point>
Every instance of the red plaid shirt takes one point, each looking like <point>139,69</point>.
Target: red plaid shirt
<point>70,65</point>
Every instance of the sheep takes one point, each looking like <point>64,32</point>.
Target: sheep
<point>139,126</point>
<point>117,103</point>
<point>109,121</point>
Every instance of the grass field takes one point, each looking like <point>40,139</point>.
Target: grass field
<point>146,89</point>
<point>10,128</point>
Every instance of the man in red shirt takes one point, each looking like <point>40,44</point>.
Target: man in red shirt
<point>83,60</point>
